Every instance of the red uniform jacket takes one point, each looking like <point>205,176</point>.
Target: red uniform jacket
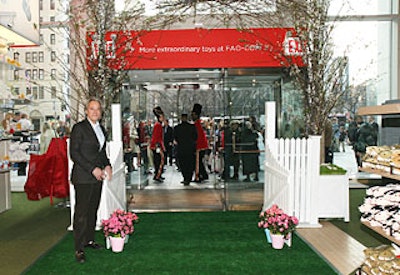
<point>157,137</point>
<point>201,143</point>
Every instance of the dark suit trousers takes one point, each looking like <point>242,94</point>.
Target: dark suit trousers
<point>87,202</point>
<point>186,165</point>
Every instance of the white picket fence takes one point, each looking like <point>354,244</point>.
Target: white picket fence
<point>291,173</point>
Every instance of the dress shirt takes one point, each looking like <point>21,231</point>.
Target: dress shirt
<point>99,133</point>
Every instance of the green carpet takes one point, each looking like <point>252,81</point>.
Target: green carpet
<point>27,230</point>
<point>355,228</point>
<point>188,243</point>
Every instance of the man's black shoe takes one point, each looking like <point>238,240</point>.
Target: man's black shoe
<point>158,180</point>
<point>80,256</point>
<point>94,245</point>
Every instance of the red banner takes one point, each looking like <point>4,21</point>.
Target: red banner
<point>198,48</point>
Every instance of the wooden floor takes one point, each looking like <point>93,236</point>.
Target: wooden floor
<point>341,251</point>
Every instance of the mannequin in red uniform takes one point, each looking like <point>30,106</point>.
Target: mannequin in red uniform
<point>201,145</point>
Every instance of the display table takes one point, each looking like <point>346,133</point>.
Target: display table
<point>333,197</point>
<point>5,190</point>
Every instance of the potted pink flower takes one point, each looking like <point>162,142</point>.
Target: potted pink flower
<point>118,227</point>
<point>278,225</point>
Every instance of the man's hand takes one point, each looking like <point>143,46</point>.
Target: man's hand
<point>98,173</point>
<point>108,172</point>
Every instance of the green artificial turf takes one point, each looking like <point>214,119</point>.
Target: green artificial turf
<point>331,169</point>
<point>188,243</point>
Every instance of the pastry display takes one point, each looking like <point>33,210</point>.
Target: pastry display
<point>381,208</point>
<point>379,260</point>
<point>385,158</point>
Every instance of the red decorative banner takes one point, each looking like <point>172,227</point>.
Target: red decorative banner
<point>198,48</point>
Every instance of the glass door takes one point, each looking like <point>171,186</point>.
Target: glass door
<point>232,119</point>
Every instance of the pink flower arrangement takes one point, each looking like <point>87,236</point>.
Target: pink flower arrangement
<point>120,223</point>
<point>277,221</point>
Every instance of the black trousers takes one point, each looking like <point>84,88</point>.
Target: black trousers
<point>186,165</point>
<point>87,200</point>
<point>158,159</point>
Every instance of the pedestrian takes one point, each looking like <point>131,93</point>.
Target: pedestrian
<point>168,142</point>
<point>250,153</point>
<point>231,149</point>
<point>185,136</point>
<point>365,136</point>
<point>201,145</point>
<point>328,140</point>
<point>46,136</point>
<point>342,138</point>
<point>90,167</point>
<point>144,139</point>
<point>157,145</point>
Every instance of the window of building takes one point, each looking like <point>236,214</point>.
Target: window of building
<point>34,57</point>
<point>52,39</point>
<point>52,4</point>
<point>28,74</point>
<point>53,74</point>
<point>41,92</point>
<point>41,39</point>
<point>53,92</point>
<point>28,91</point>
<point>16,74</point>
<point>16,90</point>
<point>53,56</point>
<point>41,19</point>
<point>28,57</point>
<point>41,74</point>
<point>52,19</point>
<point>41,5</point>
<point>34,74</point>
<point>16,56</point>
<point>34,92</point>
<point>41,57</point>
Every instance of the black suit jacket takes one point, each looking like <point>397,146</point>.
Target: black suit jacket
<point>86,153</point>
<point>185,135</point>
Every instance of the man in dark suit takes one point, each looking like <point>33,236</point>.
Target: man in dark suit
<point>185,136</point>
<point>91,167</point>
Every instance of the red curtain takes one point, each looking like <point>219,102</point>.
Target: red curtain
<point>48,173</point>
